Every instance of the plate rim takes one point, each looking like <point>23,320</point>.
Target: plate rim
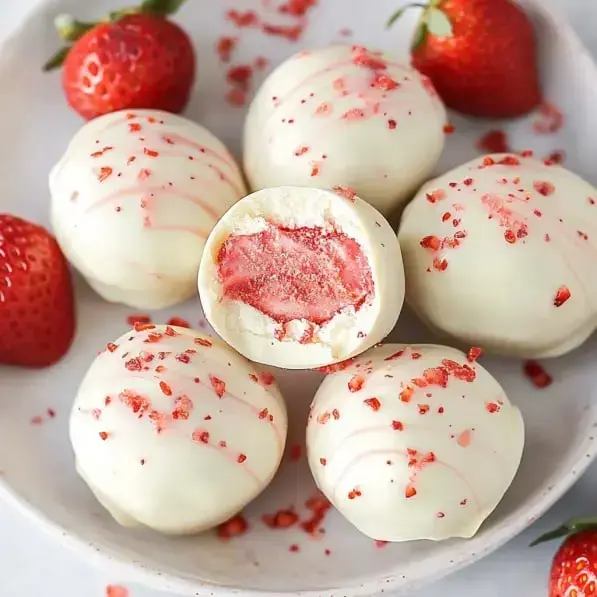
<point>510,526</point>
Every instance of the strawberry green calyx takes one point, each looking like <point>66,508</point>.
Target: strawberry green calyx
<point>433,20</point>
<point>70,29</point>
<point>164,8</point>
<point>570,528</point>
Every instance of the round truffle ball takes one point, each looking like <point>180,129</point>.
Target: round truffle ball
<point>500,253</point>
<point>174,431</point>
<point>345,115</point>
<point>414,442</point>
<point>133,200</point>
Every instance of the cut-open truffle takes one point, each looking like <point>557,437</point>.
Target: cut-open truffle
<point>296,277</point>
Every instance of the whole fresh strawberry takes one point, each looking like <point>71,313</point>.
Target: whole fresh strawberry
<point>574,567</point>
<point>37,319</point>
<point>481,56</point>
<point>135,58</point>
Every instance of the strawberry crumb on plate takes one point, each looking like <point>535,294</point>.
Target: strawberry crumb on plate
<point>178,322</point>
<point>116,591</point>
<point>494,141</point>
<point>134,319</point>
<point>537,374</point>
<point>225,46</point>
<point>550,119</point>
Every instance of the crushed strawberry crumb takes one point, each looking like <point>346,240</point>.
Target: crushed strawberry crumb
<point>116,591</point>
<point>318,507</point>
<point>266,378</point>
<point>363,57</point>
<point>218,385</point>
<point>474,354</point>
<point>236,97</point>
<point>346,192</point>
<point>166,389</point>
<point>225,46</point>
<point>241,76</point>
<point>261,63</point>
<point>384,82</point>
<point>555,158</point>
<point>550,119</point>
<point>132,320</point>
<point>341,366</point>
<point>282,519</point>
<point>431,242</point>
<point>356,383</point>
<point>289,32</point>
<point>435,196</point>
<point>178,322</point>
<point>248,18</point>
<point>373,403</point>
<point>407,394</point>
<point>235,527</point>
<point>544,187</point>
<point>561,296</point>
<point>495,141</point>
<point>297,8</point>
<point>537,374</point>
<point>354,493</point>
<point>295,452</point>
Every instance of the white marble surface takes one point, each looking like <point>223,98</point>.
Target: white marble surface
<point>33,565</point>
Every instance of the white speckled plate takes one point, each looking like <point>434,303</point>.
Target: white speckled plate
<point>35,459</point>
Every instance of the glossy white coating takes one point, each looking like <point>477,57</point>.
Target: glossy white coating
<point>414,442</point>
<point>174,431</point>
<point>133,199</point>
<point>501,253</point>
<point>345,115</point>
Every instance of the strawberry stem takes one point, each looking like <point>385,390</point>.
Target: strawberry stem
<point>569,528</point>
<point>161,7</point>
<point>56,60</point>
<point>402,10</point>
<point>69,29</point>
<point>433,20</point>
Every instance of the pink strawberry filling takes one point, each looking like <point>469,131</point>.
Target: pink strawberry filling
<point>295,273</point>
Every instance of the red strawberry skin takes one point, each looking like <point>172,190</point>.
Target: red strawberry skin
<point>574,566</point>
<point>488,66</point>
<point>37,319</point>
<point>139,61</point>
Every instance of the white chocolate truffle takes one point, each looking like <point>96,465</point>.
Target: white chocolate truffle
<point>175,431</point>
<point>344,115</point>
<point>414,442</point>
<point>299,278</point>
<point>500,253</point>
<point>133,200</point>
